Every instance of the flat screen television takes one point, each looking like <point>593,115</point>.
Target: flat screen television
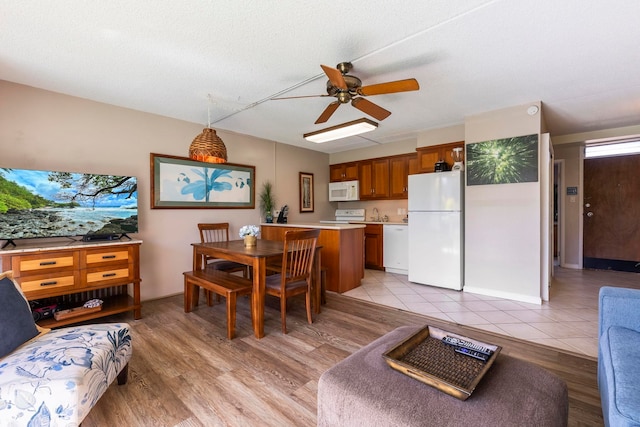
<point>47,204</point>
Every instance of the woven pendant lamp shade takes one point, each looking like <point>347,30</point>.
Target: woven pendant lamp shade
<point>208,147</point>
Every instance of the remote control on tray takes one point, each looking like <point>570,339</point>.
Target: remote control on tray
<point>468,348</point>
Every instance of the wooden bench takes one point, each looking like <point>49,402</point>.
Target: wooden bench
<point>220,283</point>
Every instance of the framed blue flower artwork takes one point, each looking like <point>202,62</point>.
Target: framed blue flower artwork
<point>183,183</point>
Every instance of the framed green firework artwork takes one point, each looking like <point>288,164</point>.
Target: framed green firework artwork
<point>503,161</point>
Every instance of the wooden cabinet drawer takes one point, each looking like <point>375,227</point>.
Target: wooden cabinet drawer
<point>101,276</point>
<point>71,275</point>
<point>34,264</point>
<point>93,258</point>
<point>41,286</point>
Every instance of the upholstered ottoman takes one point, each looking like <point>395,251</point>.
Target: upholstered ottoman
<point>363,390</point>
<point>55,379</point>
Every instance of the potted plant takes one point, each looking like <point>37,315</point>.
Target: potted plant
<point>267,201</point>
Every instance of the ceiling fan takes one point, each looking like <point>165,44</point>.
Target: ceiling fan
<point>346,87</point>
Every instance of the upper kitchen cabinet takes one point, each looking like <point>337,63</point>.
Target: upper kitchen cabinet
<point>374,178</point>
<point>343,172</point>
<point>428,156</point>
<point>400,167</point>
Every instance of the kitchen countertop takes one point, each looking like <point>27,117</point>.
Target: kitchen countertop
<point>326,226</point>
<point>380,222</point>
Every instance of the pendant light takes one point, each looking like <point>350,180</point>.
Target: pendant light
<point>207,146</point>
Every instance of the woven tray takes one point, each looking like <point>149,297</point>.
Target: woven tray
<point>424,357</point>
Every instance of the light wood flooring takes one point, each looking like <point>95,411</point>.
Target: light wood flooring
<point>184,372</point>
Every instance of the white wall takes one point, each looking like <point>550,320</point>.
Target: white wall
<point>502,222</point>
<point>45,130</point>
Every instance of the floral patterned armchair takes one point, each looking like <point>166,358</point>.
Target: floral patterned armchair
<point>56,378</point>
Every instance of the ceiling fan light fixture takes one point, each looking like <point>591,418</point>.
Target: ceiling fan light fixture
<point>355,127</point>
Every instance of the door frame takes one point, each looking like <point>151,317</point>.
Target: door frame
<point>581,212</point>
<point>546,218</point>
<point>560,166</point>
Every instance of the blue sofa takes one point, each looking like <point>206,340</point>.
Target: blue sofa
<point>619,356</point>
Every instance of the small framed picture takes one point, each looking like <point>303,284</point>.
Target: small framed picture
<point>306,192</point>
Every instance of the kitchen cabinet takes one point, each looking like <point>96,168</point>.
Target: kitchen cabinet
<point>374,178</point>
<point>396,248</point>
<point>428,156</point>
<point>343,172</point>
<point>341,255</point>
<point>373,249</point>
<point>400,167</point>
<point>380,178</point>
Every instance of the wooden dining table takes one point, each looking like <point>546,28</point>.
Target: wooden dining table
<point>258,257</point>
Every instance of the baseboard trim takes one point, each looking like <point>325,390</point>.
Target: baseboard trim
<point>573,266</point>
<point>504,295</point>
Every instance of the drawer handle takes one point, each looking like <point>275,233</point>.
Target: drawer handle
<point>108,274</point>
<point>108,256</point>
<point>48,263</point>
<point>53,282</point>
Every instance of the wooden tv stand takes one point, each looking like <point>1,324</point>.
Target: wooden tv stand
<point>73,273</point>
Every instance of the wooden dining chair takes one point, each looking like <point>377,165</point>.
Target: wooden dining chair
<point>294,277</point>
<point>219,232</point>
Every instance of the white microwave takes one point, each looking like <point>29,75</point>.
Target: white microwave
<point>344,191</point>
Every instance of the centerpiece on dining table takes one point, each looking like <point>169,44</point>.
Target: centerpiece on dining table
<point>250,234</point>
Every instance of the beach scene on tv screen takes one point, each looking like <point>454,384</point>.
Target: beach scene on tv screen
<point>37,203</point>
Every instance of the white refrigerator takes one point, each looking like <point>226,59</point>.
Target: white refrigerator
<point>436,232</point>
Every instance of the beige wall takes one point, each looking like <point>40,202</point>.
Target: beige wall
<point>45,130</point>
<point>569,151</point>
<point>441,136</point>
<point>290,161</point>
<point>503,238</point>
<point>383,150</point>
<point>570,158</point>
<point>628,131</point>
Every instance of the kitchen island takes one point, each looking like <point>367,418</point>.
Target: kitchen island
<point>342,250</point>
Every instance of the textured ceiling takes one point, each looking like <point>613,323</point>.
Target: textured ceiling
<point>180,59</point>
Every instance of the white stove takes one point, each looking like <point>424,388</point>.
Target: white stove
<point>344,216</point>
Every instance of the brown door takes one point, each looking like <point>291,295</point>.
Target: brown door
<point>612,213</point>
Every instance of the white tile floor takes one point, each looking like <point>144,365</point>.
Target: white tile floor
<point>568,321</point>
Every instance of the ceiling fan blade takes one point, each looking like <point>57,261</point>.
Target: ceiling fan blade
<point>302,96</point>
<point>389,87</point>
<point>370,108</point>
<point>331,108</point>
<point>335,77</point>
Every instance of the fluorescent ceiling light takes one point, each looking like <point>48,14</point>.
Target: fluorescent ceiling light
<point>344,130</point>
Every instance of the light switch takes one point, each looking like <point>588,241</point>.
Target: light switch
<point>572,199</point>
